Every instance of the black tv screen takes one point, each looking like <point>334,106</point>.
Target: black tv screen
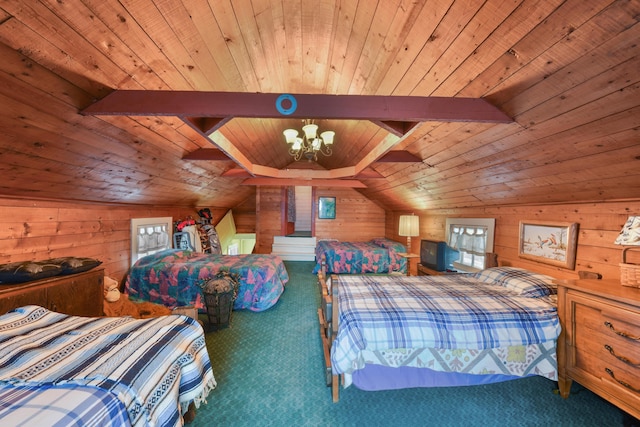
<point>436,255</point>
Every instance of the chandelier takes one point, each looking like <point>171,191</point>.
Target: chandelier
<point>310,144</point>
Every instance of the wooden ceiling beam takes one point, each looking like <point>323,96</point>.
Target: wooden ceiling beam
<point>382,109</point>
<point>236,173</point>
<point>206,125</point>
<point>350,183</point>
<point>399,156</point>
<point>206,154</point>
<point>398,128</point>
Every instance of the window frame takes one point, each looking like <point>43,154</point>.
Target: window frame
<point>138,223</point>
<point>488,223</point>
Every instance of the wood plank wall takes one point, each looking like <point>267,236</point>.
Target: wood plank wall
<point>38,230</point>
<point>244,215</point>
<point>268,217</point>
<point>31,230</point>
<point>357,218</point>
<point>599,225</point>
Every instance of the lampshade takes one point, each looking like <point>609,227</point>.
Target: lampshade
<point>310,130</point>
<point>630,233</point>
<point>290,135</point>
<point>409,226</point>
<point>327,136</point>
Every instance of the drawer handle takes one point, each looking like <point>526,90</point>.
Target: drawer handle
<point>622,334</point>
<point>627,385</point>
<point>621,358</point>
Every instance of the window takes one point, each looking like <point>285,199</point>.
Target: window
<point>472,238</point>
<point>150,235</point>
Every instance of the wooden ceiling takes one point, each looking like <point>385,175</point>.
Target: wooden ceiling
<point>565,72</point>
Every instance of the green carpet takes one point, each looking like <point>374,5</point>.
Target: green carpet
<point>269,369</point>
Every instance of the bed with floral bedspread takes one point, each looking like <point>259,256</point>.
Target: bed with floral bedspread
<point>172,277</point>
<point>378,255</point>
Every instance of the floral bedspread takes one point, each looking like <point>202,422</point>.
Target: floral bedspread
<point>171,277</point>
<point>375,256</point>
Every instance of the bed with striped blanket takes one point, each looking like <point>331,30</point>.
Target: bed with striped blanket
<point>60,406</point>
<point>156,367</point>
<point>424,331</point>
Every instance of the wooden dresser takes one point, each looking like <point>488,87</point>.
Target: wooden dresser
<point>77,294</point>
<point>601,336</point>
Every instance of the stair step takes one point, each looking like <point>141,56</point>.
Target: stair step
<point>289,248</point>
<point>294,248</point>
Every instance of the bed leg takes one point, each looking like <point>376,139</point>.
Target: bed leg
<point>335,388</point>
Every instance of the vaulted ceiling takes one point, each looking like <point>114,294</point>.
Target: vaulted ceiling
<point>107,100</point>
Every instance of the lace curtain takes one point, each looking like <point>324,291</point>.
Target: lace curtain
<point>469,239</point>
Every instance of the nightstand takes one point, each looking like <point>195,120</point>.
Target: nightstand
<point>408,257</point>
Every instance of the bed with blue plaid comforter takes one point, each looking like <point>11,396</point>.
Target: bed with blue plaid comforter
<point>457,312</point>
<point>156,367</point>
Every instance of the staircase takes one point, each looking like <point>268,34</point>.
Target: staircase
<point>294,248</point>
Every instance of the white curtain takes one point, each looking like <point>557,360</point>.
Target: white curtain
<point>469,239</point>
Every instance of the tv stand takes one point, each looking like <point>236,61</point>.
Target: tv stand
<point>426,271</point>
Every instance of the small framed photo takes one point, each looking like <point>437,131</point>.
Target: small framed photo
<point>327,207</point>
<point>549,242</point>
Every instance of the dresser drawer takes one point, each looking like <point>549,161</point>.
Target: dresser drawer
<point>608,318</point>
<point>605,347</point>
<point>610,376</point>
<point>596,330</point>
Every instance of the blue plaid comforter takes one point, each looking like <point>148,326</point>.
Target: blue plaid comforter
<point>156,367</point>
<point>447,312</point>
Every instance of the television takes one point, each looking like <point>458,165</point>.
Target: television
<point>437,255</point>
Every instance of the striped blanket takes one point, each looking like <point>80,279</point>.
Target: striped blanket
<point>60,406</point>
<point>156,367</point>
<point>454,312</point>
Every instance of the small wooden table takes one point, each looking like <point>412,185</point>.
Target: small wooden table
<point>426,271</point>
<point>408,257</point>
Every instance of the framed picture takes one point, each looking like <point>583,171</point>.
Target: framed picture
<point>549,242</point>
<point>326,207</point>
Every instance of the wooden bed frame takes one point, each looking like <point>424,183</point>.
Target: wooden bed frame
<point>328,317</point>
